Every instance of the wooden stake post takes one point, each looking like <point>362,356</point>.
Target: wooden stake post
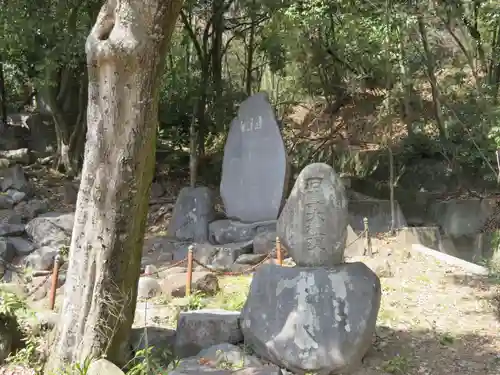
<point>279,254</point>
<point>368,241</point>
<point>55,279</point>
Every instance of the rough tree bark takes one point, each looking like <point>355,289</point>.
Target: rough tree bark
<point>126,52</point>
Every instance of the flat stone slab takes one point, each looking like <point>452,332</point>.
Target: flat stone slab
<point>200,329</point>
<point>255,163</point>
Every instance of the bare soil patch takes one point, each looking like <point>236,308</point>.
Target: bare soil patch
<point>434,318</point>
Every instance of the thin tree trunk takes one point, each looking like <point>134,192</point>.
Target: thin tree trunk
<point>217,55</point>
<point>250,51</point>
<point>429,63</point>
<point>3,101</point>
<point>126,50</point>
<point>406,82</point>
<point>391,190</point>
<point>193,151</point>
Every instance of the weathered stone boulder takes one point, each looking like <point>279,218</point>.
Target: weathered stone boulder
<point>14,178</point>
<point>250,259</point>
<point>7,251</point>
<point>225,353</point>
<point>312,319</point>
<point>104,367</point>
<point>160,339</point>
<point>148,287</point>
<point>51,229</point>
<point>313,223</point>
<point>159,250</point>
<point>219,257</point>
<point>11,229</point>
<point>227,231</point>
<point>22,246</point>
<point>16,196</point>
<point>20,156</point>
<point>6,202</point>
<point>31,209</point>
<point>10,217</point>
<point>200,329</point>
<point>193,210</point>
<point>264,242</point>
<point>224,359</point>
<point>42,259</point>
<point>175,284</point>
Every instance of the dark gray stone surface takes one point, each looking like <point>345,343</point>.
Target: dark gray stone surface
<point>200,329</point>
<point>219,257</point>
<point>22,246</point>
<point>264,242</point>
<point>42,259</point>
<point>11,229</point>
<point>254,166</point>
<point>7,251</point>
<point>14,178</point>
<point>228,231</point>
<point>6,202</point>
<point>313,223</point>
<point>378,213</point>
<point>51,229</point>
<point>193,210</point>
<point>312,320</point>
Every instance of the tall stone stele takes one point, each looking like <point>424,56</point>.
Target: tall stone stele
<point>313,223</point>
<point>255,163</point>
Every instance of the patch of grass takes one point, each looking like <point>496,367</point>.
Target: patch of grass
<point>196,301</point>
<point>229,301</point>
<point>233,293</point>
<point>235,283</point>
<point>226,364</point>
<point>387,316</point>
<point>446,339</point>
<point>397,365</point>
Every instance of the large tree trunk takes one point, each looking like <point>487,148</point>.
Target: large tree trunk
<point>126,50</point>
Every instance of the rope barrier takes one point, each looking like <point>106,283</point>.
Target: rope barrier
<point>176,264</point>
<point>39,286</point>
<point>357,238</point>
<point>233,273</point>
<point>190,260</point>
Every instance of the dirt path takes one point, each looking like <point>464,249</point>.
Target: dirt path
<point>435,319</point>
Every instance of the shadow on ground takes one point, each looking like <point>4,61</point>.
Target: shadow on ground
<point>433,353</point>
<point>399,352</point>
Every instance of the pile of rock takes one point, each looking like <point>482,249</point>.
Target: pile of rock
<point>30,236</point>
<point>319,316</point>
<point>254,178</point>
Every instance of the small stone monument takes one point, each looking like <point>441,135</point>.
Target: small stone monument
<point>313,223</point>
<point>193,210</point>
<point>254,164</point>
